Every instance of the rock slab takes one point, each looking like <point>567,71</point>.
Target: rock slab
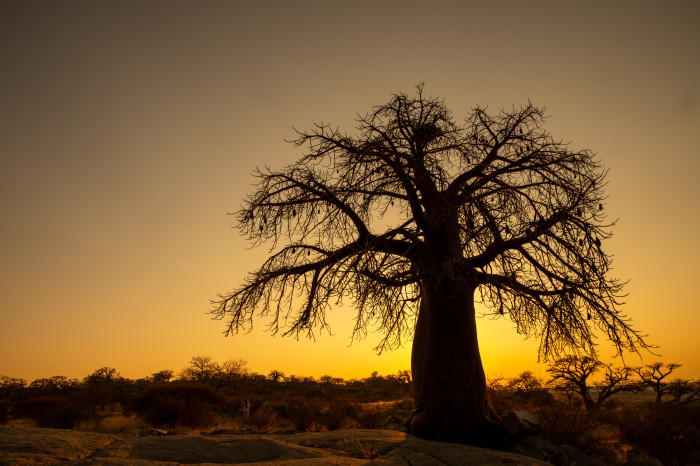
<point>23,446</point>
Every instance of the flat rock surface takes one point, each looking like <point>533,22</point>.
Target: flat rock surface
<point>21,446</point>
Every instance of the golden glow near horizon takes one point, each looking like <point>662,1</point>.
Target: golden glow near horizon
<point>129,129</point>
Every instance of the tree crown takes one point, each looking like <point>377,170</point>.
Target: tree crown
<point>495,204</point>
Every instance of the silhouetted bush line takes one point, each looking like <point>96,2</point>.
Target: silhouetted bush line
<point>201,395</point>
<point>209,396</point>
<point>179,404</point>
<point>49,411</point>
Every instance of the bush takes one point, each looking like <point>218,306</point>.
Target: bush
<point>178,404</point>
<point>533,399</point>
<point>281,408</point>
<point>401,410</point>
<point>407,404</point>
<point>49,411</point>
<point>357,449</point>
<point>371,417</point>
<point>566,426</point>
<point>668,432</point>
<point>333,420</point>
<point>264,417</point>
<point>336,413</point>
<point>304,413</point>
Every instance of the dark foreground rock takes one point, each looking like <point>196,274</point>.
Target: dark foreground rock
<point>343,447</point>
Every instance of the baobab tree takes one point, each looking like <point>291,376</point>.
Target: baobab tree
<point>571,373</point>
<point>653,376</point>
<point>413,218</point>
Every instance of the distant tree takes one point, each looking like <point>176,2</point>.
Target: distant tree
<point>415,217</point>
<point>227,375</point>
<point>105,385</point>
<point>276,376</point>
<point>329,380</point>
<point>254,381</point>
<point>230,374</point>
<point>10,386</point>
<point>308,380</point>
<point>683,391</point>
<point>398,384</point>
<point>568,388</point>
<point>53,385</point>
<point>525,382</point>
<point>200,369</point>
<point>616,380</point>
<point>162,376</point>
<point>57,386</point>
<point>103,375</point>
<point>496,383</point>
<point>294,380</point>
<point>404,376</point>
<point>571,374</point>
<point>653,376</point>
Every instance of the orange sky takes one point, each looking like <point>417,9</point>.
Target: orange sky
<point>129,129</point>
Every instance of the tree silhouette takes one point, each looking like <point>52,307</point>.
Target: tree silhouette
<point>416,216</point>
<point>683,391</point>
<point>9,386</point>
<point>161,376</point>
<point>275,375</point>
<point>204,369</point>
<point>653,376</point>
<point>105,385</point>
<point>525,382</point>
<point>200,369</point>
<point>571,374</point>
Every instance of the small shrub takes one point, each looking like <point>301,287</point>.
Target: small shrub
<point>282,409</point>
<point>337,412</point>
<point>304,413</point>
<point>357,449</point>
<point>49,411</point>
<point>401,410</point>
<point>333,420</point>
<point>372,417</point>
<point>566,426</point>
<point>407,404</point>
<point>178,404</point>
<point>264,417</point>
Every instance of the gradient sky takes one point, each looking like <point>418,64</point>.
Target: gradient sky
<point>128,129</point>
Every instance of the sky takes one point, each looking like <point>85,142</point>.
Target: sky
<point>129,129</point>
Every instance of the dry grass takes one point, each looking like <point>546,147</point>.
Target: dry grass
<point>357,449</point>
<point>118,424</point>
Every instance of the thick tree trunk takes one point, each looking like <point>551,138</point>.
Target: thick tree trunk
<point>449,384</point>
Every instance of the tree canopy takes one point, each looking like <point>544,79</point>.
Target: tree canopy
<point>356,217</point>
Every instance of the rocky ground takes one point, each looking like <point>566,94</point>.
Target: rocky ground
<point>30,445</point>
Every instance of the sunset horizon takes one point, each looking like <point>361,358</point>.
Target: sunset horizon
<point>130,131</point>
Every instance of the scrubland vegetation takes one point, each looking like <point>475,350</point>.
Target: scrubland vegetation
<point>628,413</point>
